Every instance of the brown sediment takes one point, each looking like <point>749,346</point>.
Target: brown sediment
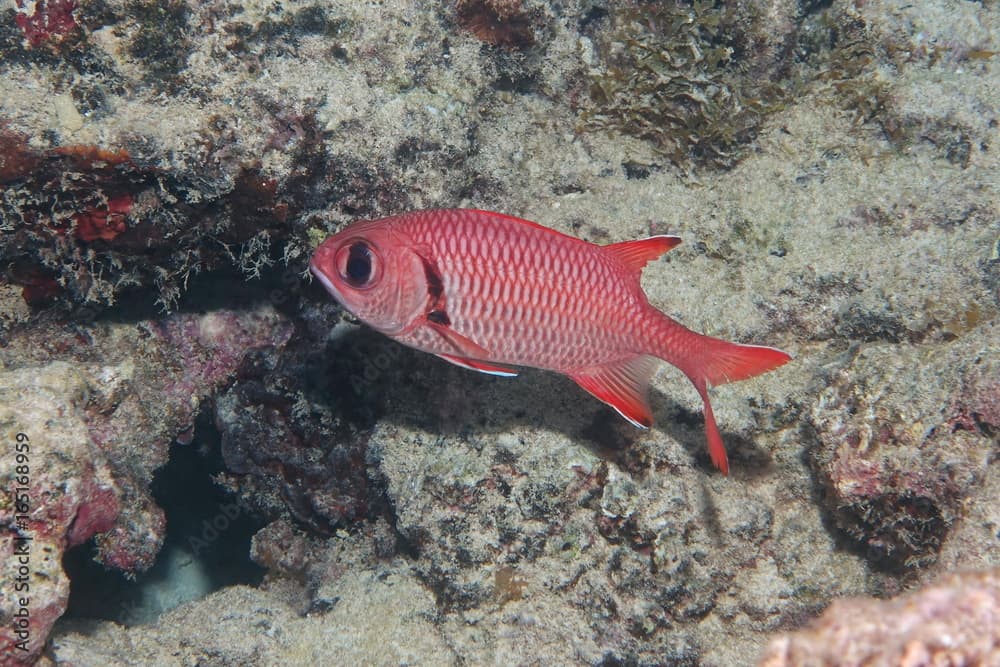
<point>497,22</point>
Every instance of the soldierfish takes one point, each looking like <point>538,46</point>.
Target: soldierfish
<point>487,291</point>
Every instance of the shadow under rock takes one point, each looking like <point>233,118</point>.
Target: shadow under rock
<point>223,288</point>
<point>416,389</point>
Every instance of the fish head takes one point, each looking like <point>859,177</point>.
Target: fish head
<point>375,272</point>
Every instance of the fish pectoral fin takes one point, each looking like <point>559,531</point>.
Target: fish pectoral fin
<point>624,385</point>
<point>636,254</point>
<point>481,366</point>
<point>465,347</point>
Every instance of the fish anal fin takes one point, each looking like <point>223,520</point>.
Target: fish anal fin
<point>465,347</point>
<point>481,366</point>
<point>624,385</point>
<point>636,254</point>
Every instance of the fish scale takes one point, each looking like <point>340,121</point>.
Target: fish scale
<point>486,291</point>
<point>550,308</point>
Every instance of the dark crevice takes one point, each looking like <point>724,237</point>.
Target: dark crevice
<point>207,545</point>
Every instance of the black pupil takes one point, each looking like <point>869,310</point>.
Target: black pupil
<point>359,264</point>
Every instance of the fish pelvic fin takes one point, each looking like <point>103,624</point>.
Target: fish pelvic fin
<point>624,385</point>
<point>716,448</point>
<point>636,254</point>
<point>481,366</point>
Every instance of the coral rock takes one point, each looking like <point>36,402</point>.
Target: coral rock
<point>95,433</point>
<point>61,494</point>
<point>953,622</point>
<point>900,447</point>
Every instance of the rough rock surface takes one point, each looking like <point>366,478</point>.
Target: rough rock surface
<point>58,495</point>
<point>897,462</point>
<point>950,622</point>
<point>383,617</point>
<point>96,431</point>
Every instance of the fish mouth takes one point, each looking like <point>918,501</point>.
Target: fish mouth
<point>325,281</point>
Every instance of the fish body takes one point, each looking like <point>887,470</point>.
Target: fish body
<point>489,291</point>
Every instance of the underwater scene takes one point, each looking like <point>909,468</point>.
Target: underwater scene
<point>610,333</point>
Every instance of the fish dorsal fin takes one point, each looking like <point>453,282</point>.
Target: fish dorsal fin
<point>636,254</point>
<point>498,217</point>
<point>481,366</point>
<point>623,385</point>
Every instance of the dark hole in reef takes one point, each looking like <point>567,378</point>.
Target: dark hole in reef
<point>207,546</point>
<point>225,287</point>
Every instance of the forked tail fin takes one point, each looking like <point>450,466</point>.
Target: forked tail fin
<point>711,361</point>
<point>723,362</point>
<point>624,384</point>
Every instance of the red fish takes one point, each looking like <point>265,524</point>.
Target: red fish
<point>487,291</point>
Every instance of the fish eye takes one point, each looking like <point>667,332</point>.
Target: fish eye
<point>357,264</point>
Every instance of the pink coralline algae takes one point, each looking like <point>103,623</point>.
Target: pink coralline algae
<point>45,20</point>
<point>59,495</point>
<point>104,223</point>
<point>953,623</point>
<point>902,439</point>
<point>99,406</point>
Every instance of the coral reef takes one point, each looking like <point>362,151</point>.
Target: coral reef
<point>950,622</point>
<point>895,462</point>
<point>831,168</point>
<point>99,422</point>
<point>59,494</point>
<point>285,449</point>
<point>114,194</point>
